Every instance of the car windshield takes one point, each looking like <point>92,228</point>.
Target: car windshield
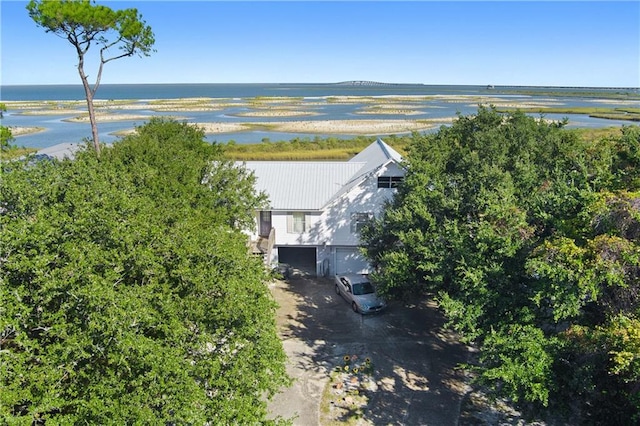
<point>362,288</point>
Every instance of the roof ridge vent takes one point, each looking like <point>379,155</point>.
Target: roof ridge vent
<point>383,147</point>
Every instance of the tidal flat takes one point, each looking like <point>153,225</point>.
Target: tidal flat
<point>314,115</point>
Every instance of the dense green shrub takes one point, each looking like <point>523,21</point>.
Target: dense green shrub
<point>126,292</point>
<point>530,237</point>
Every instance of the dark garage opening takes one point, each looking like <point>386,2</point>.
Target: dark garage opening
<point>300,259</point>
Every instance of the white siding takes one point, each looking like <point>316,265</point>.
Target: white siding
<point>335,224</point>
<point>282,221</point>
<point>349,260</point>
<point>302,187</point>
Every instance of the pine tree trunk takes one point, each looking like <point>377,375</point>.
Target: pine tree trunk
<point>94,124</point>
<point>92,115</point>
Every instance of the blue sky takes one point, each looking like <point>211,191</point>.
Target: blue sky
<point>548,43</point>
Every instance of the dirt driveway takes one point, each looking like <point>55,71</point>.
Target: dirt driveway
<point>413,359</point>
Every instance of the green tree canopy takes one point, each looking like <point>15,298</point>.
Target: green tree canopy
<point>529,238</point>
<point>120,33</point>
<point>6,137</point>
<point>127,295</point>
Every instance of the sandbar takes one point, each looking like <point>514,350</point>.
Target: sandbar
<point>117,117</point>
<point>225,127</point>
<point>192,108</point>
<point>345,127</point>
<point>521,105</point>
<point>388,111</point>
<point>276,113</point>
<point>61,111</point>
<point>206,127</point>
<point>21,131</point>
<point>353,127</point>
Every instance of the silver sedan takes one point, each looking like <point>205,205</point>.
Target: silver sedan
<point>360,293</point>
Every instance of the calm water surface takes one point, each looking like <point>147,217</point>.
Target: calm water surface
<point>59,131</point>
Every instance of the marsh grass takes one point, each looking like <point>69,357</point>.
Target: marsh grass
<point>597,134</point>
<point>324,155</point>
<point>617,116</point>
<point>316,149</point>
<point>15,152</point>
<point>619,94</point>
<point>630,114</point>
<point>328,149</point>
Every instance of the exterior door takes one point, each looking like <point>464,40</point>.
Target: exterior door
<point>265,223</point>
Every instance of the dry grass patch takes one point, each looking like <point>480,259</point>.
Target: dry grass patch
<point>315,155</point>
<point>16,152</point>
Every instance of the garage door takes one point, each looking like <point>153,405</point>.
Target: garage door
<point>301,258</point>
<point>351,261</point>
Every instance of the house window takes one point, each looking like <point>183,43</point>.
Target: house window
<point>297,223</point>
<point>359,220</point>
<point>389,181</point>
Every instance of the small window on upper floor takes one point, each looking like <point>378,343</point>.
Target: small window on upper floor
<point>389,181</point>
<point>359,220</point>
<point>297,223</point>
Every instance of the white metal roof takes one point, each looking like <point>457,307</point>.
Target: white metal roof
<point>310,185</point>
<point>302,185</point>
<point>61,150</point>
<point>377,154</point>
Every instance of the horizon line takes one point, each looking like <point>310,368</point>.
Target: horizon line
<point>346,82</point>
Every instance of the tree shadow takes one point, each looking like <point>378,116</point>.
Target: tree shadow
<point>335,226</point>
<point>413,358</point>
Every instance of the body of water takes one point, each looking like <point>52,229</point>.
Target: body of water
<point>444,103</point>
<point>230,91</point>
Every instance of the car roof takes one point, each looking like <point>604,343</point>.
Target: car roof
<point>355,278</point>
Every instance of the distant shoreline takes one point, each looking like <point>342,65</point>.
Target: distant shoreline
<point>569,87</point>
<point>148,91</point>
<point>343,83</point>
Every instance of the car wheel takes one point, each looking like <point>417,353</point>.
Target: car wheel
<point>354,307</point>
<point>337,289</point>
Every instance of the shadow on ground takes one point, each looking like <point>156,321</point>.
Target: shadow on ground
<point>414,359</point>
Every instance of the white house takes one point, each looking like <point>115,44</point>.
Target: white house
<point>316,208</point>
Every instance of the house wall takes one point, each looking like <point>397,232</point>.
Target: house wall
<point>364,198</point>
<point>331,230</point>
<point>283,237</point>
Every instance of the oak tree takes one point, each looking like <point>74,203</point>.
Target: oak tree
<point>6,136</point>
<point>127,294</point>
<point>529,238</point>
